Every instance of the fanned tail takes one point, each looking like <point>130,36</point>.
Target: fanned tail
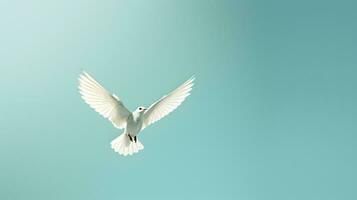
<point>124,146</point>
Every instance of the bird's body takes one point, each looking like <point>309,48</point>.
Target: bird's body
<point>134,124</point>
<point>112,108</point>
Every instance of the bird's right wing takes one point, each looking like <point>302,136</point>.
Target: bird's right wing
<point>106,104</point>
<point>167,103</point>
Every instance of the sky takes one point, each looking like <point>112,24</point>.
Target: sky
<point>272,115</point>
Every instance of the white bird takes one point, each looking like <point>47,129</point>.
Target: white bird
<point>111,107</point>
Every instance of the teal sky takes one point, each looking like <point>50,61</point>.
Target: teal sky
<point>272,115</point>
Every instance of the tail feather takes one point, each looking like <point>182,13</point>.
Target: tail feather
<point>124,146</point>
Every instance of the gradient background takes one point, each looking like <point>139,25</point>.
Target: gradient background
<point>272,115</point>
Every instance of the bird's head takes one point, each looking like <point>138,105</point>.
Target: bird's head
<point>140,109</point>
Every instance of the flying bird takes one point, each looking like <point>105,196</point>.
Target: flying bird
<point>111,107</point>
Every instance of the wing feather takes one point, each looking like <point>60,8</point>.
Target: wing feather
<point>167,103</point>
<point>106,104</point>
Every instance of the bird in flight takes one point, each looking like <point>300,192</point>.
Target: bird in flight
<point>111,107</point>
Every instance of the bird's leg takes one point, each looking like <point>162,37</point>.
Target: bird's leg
<point>131,139</point>
<point>135,139</point>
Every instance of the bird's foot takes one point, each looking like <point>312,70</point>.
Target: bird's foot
<point>135,139</point>
<point>131,138</point>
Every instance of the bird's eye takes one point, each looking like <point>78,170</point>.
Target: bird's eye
<point>139,108</point>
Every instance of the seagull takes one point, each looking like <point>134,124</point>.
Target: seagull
<point>111,107</point>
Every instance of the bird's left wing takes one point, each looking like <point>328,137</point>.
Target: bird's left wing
<point>167,103</point>
<point>106,104</point>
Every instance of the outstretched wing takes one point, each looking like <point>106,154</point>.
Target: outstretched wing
<point>167,103</point>
<point>106,104</point>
